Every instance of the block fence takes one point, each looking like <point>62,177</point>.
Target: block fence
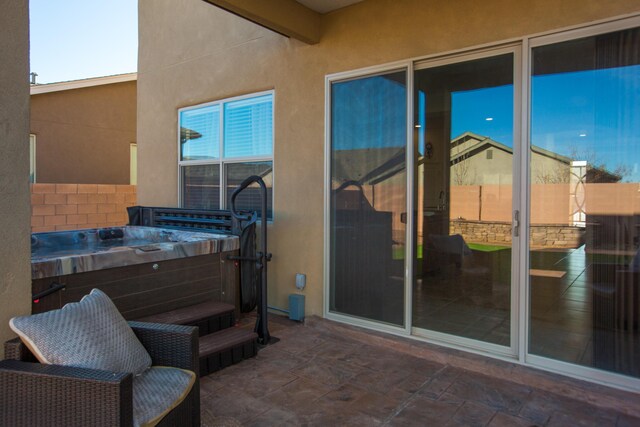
<point>541,236</point>
<point>56,207</point>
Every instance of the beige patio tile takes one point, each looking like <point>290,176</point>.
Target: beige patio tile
<point>325,374</point>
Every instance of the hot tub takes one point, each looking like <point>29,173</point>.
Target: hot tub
<point>145,270</point>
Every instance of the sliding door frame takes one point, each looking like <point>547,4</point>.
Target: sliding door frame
<point>404,330</point>
<point>541,362</point>
<point>518,352</point>
<point>512,351</point>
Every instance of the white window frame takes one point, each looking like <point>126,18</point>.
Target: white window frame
<point>222,161</point>
<point>32,157</point>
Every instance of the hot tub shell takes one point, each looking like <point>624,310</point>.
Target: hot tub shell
<point>147,271</point>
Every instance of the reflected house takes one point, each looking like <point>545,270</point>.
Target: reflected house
<point>479,160</point>
<point>187,134</point>
<point>379,175</point>
<point>481,170</point>
<point>480,186</point>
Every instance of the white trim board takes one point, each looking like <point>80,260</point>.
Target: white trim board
<point>79,84</point>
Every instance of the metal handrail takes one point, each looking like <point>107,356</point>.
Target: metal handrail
<point>263,256</point>
<point>53,288</point>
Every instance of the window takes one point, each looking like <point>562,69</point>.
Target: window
<point>32,158</point>
<point>489,154</point>
<point>221,144</point>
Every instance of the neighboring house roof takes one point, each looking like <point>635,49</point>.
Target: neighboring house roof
<point>187,134</point>
<point>77,84</point>
<point>368,165</point>
<point>486,142</point>
<point>594,174</point>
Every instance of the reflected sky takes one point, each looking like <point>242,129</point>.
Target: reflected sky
<point>594,114</point>
<point>365,112</point>
<point>587,115</point>
<point>494,117</point>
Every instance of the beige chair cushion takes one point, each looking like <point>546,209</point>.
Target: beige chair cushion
<point>157,391</point>
<point>90,333</point>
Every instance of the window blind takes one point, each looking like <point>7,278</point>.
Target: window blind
<point>248,127</point>
<point>250,198</point>
<point>201,186</point>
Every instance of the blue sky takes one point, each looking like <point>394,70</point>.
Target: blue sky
<point>589,111</point>
<point>77,39</point>
<point>496,104</point>
<point>592,113</point>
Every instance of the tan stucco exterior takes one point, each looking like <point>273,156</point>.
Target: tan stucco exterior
<point>83,135</point>
<point>15,250</point>
<point>192,52</point>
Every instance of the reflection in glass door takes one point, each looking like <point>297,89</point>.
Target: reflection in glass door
<point>368,197</point>
<point>585,202</point>
<point>576,291</point>
<point>464,155</point>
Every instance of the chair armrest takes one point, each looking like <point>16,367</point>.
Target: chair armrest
<point>51,395</point>
<point>16,350</point>
<point>169,345</point>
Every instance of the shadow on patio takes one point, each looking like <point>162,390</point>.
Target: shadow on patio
<point>325,373</point>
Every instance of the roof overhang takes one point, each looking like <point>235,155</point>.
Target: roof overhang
<point>326,6</point>
<point>286,17</point>
<point>77,84</point>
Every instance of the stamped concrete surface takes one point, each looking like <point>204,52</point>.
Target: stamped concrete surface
<point>326,374</point>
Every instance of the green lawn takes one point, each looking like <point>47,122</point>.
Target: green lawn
<point>398,253</point>
<point>481,247</point>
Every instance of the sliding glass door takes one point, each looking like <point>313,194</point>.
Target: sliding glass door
<point>585,202</point>
<point>368,197</point>
<point>464,155</point>
<point>491,200</point>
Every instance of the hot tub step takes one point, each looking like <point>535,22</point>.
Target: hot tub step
<point>225,348</point>
<point>209,317</point>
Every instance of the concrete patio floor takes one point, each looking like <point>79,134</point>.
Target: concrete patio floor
<point>326,374</point>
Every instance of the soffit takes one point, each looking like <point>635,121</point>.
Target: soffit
<point>325,6</point>
<point>286,17</point>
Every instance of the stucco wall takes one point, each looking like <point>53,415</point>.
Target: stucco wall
<point>192,52</point>
<point>83,135</point>
<point>15,250</point>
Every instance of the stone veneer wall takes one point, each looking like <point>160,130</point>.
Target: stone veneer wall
<point>545,235</point>
<point>57,207</point>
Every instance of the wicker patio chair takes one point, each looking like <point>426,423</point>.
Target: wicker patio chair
<point>34,394</point>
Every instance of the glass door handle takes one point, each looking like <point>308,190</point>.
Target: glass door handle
<point>516,223</point>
